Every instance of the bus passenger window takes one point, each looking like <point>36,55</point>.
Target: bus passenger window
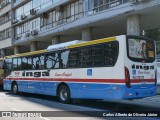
<point>64,58</point>
<point>52,60</point>
<point>29,62</point>
<point>24,63</point>
<point>85,54</point>
<point>15,63</point>
<point>19,63</point>
<point>8,66</point>
<point>96,55</point>
<point>110,53</point>
<point>35,62</point>
<point>41,65</point>
<point>49,61</point>
<point>73,58</point>
<point>56,60</point>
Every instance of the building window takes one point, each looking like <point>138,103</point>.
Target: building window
<point>153,34</point>
<point>33,4</point>
<point>4,3</point>
<point>100,5</point>
<point>21,30</point>
<point>62,14</point>
<point>5,18</point>
<point>5,34</point>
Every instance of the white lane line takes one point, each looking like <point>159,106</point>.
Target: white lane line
<point>15,109</point>
<point>44,118</point>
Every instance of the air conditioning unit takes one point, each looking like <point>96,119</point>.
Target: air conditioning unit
<point>23,17</point>
<point>44,15</point>
<point>27,34</point>
<point>34,32</point>
<point>14,21</point>
<point>33,12</point>
<point>59,8</point>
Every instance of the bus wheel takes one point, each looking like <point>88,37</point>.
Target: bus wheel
<point>64,94</point>
<point>15,88</point>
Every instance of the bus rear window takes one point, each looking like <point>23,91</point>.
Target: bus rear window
<point>141,49</point>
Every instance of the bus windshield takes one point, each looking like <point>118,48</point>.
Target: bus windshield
<point>141,49</point>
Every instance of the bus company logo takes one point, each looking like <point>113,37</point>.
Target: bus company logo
<point>143,67</point>
<point>63,74</point>
<point>36,74</point>
<point>16,73</point>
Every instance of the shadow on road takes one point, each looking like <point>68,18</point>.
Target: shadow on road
<point>111,105</point>
<point>1,89</point>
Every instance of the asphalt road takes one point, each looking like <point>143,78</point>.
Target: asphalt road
<point>41,103</point>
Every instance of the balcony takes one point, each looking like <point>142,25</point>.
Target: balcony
<point>76,19</point>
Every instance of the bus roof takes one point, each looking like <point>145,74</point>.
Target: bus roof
<point>93,42</point>
<point>62,46</point>
<point>66,45</point>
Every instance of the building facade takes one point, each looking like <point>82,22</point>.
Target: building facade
<point>5,27</point>
<point>39,23</point>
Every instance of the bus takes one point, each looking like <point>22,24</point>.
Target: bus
<point>158,70</point>
<point>120,67</point>
<point>1,71</point>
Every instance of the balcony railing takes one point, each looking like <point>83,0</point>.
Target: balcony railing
<point>88,7</point>
<point>4,4</point>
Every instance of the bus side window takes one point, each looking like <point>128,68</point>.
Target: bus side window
<point>36,62</point>
<point>85,56</point>
<point>8,66</point>
<point>56,60</point>
<point>29,62</point>
<point>15,64</point>
<point>19,63</point>
<point>24,63</point>
<point>49,61</point>
<point>91,56</point>
<point>72,58</point>
<point>64,59</point>
<point>52,60</point>
<point>96,55</point>
<point>41,62</point>
<point>110,53</point>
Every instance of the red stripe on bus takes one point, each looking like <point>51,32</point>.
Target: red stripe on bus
<point>84,80</point>
<point>141,80</point>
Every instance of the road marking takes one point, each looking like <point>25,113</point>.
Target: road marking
<point>44,118</point>
<point>15,109</point>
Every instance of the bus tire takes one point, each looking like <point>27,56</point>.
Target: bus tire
<point>64,94</point>
<point>15,88</point>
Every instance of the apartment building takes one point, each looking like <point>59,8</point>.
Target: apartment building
<point>5,27</point>
<point>39,23</point>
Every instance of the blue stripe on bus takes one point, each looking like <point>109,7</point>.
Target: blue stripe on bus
<point>85,90</point>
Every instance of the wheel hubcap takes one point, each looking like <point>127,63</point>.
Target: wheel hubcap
<point>63,94</point>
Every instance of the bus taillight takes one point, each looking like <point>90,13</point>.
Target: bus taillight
<point>127,78</point>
